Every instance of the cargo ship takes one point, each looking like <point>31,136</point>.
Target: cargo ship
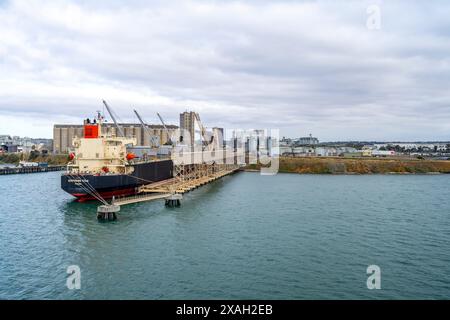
<point>104,167</point>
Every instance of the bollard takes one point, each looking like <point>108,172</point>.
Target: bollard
<point>107,212</point>
<point>174,200</point>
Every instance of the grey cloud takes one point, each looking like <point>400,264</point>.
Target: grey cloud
<point>297,66</point>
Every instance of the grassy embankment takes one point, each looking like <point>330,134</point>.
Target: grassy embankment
<point>316,165</point>
<point>13,158</point>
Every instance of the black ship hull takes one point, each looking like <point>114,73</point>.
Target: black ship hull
<point>110,185</point>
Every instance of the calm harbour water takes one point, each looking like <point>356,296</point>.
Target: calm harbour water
<point>246,236</point>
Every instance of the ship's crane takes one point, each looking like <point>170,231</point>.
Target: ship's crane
<point>111,113</point>
<point>165,128</point>
<point>145,128</point>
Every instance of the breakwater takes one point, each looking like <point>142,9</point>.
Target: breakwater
<point>22,170</point>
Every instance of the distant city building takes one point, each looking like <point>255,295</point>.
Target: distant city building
<point>9,148</point>
<point>285,142</point>
<point>378,153</point>
<point>314,151</point>
<point>5,139</point>
<point>187,123</point>
<point>219,133</point>
<point>13,144</point>
<point>309,146</point>
<point>63,134</point>
<point>307,140</point>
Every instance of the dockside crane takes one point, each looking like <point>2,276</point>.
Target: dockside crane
<point>145,128</point>
<point>111,113</point>
<point>208,143</point>
<point>165,128</point>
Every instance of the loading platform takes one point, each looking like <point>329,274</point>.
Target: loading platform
<point>187,178</point>
<point>140,198</point>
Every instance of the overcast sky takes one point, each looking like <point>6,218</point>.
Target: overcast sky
<point>300,66</point>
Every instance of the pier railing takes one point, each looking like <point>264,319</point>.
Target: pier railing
<point>140,198</point>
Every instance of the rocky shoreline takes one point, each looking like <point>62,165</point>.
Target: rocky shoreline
<point>336,165</point>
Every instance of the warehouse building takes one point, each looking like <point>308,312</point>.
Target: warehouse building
<point>63,134</point>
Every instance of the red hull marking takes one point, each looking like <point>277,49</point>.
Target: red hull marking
<point>82,197</point>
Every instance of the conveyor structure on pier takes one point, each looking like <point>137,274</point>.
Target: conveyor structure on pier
<point>188,175</point>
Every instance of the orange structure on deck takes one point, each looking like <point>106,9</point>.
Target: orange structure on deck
<point>91,131</point>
